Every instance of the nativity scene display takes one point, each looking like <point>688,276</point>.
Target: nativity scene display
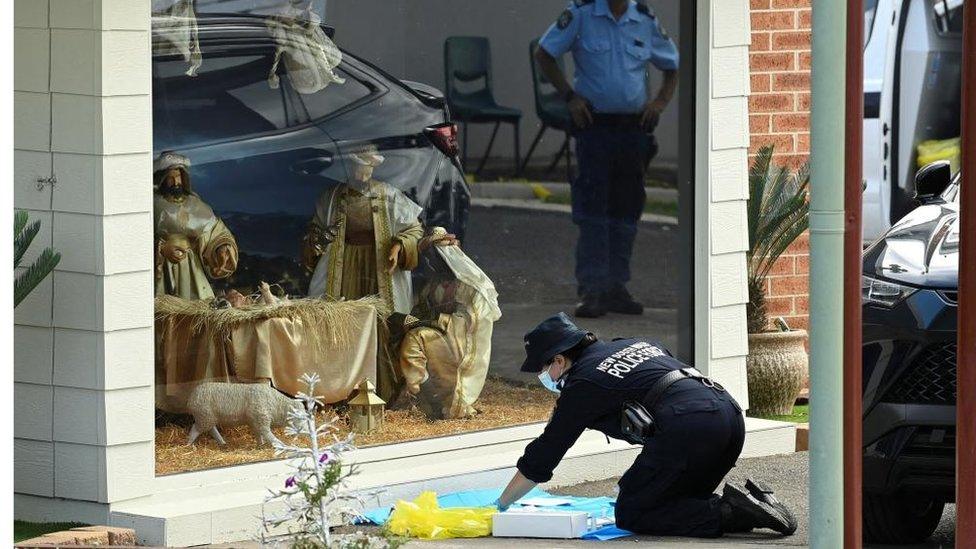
<point>395,320</point>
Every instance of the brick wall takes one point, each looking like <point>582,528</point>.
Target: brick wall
<point>779,114</point>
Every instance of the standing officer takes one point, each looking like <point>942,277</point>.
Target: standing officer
<point>691,429</point>
<point>612,41</point>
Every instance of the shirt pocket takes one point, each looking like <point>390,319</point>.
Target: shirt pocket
<point>638,56</point>
<point>596,45</point>
<point>695,407</point>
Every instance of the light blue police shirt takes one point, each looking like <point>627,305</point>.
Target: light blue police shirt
<point>611,55</point>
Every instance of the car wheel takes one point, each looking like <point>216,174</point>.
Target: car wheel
<point>900,518</point>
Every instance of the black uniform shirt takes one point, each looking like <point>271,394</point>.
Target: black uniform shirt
<point>603,377</point>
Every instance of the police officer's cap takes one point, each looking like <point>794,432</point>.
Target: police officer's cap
<point>552,336</point>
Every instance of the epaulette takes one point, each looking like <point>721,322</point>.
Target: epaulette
<point>645,9</point>
<point>581,3</point>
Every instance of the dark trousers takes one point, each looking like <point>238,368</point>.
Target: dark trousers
<point>669,490</point>
<point>608,199</point>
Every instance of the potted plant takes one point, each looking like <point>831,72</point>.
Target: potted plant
<point>778,213</point>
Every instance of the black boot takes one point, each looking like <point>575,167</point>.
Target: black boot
<point>741,512</point>
<point>619,300</point>
<point>590,306</point>
<point>764,493</point>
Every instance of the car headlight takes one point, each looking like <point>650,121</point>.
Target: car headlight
<point>882,292</point>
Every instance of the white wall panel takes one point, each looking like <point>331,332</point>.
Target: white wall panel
<point>28,167</point>
<point>127,124</point>
<point>730,72</point>
<point>32,121</point>
<point>127,183</point>
<point>729,227</point>
<point>127,243</point>
<point>30,13</point>
<point>75,61</point>
<point>131,303</point>
<point>79,303</point>
<point>76,471</point>
<point>129,470</point>
<point>730,23</point>
<point>77,124</point>
<point>78,414</point>
<point>730,122</point>
<point>77,237</point>
<point>129,415</point>
<point>74,14</point>
<point>122,366</point>
<point>33,349</point>
<point>32,411</point>
<point>729,174</point>
<point>33,467</point>
<point>728,333</point>
<point>76,358</point>
<point>729,284</point>
<point>125,14</point>
<point>31,64</point>
<point>126,58</point>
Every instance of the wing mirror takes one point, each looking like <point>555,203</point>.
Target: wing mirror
<point>932,180</point>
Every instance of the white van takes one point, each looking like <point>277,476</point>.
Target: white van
<point>912,84</point>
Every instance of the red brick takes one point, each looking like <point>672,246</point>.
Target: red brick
<point>760,82</point>
<point>788,285</point>
<point>783,4</point>
<point>759,4</point>
<point>779,306</point>
<point>804,60</point>
<point>793,161</point>
<point>803,142</point>
<point>768,62</point>
<point>791,122</point>
<point>796,40</point>
<point>773,20</point>
<point>801,305</point>
<point>760,41</point>
<point>803,102</point>
<point>780,102</point>
<point>791,81</point>
<point>780,142</point>
<point>804,19</point>
<point>799,246</point>
<point>803,264</point>
<point>785,265</point>
<point>758,123</point>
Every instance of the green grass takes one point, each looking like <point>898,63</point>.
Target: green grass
<point>656,207</point>
<point>801,414</point>
<point>27,530</point>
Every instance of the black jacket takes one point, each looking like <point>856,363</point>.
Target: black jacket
<point>603,377</point>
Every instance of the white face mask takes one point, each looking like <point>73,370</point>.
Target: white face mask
<point>549,383</point>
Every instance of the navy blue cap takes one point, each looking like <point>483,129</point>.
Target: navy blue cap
<point>552,336</point>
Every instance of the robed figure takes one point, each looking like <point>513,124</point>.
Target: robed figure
<point>363,239</point>
<point>193,246</point>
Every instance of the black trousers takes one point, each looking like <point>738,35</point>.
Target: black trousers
<point>669,490</point>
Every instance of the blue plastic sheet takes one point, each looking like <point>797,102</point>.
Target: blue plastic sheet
<point>597,507</point>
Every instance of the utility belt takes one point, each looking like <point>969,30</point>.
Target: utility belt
<point>636,420</point>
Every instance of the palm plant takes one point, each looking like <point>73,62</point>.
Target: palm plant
<point>779,212</point>
<point>29,279</point>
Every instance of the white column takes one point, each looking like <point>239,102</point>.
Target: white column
<point>722,142</point>
<point>84,351</point>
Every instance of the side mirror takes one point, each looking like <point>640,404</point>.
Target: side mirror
<point>329,31</point>
<point>932,180</point>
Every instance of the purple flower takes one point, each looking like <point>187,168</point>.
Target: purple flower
<point>290,482</point>
<point>324,457</point>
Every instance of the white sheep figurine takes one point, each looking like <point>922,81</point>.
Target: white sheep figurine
<point>258,405</point>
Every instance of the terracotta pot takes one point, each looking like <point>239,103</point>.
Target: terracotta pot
<point>776,369</point>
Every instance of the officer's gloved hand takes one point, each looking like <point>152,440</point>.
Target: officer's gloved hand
<point>501,508</point>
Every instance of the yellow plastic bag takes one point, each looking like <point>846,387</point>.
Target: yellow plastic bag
<point>940,149</point>
<point>423,518</point>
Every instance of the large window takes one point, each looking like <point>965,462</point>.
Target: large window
<point>303,186</point>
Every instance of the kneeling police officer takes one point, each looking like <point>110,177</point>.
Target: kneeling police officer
<point>691,429</point>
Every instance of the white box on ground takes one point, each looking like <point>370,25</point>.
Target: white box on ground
<point>525,523</point>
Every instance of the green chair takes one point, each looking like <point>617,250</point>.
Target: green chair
<point>550,108</point>
<point>467,74</point>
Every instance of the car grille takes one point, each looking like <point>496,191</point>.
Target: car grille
<point>939,442</point>
<point>931,379</point>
